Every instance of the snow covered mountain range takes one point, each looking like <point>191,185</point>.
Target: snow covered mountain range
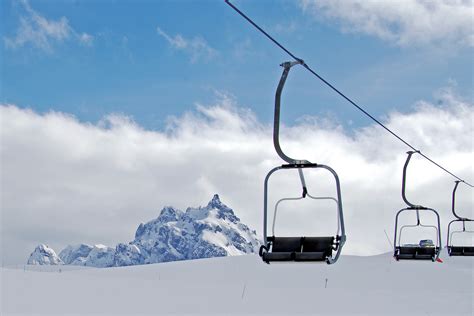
<point>203,232</point>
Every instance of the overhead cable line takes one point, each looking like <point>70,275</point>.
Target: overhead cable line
<point>301,61</point>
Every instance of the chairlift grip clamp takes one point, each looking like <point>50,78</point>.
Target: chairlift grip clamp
<point>289,64</point>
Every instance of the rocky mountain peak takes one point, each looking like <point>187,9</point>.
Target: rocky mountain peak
<point>169,214</point>
<point>215,202</point>
<point>43,255</point>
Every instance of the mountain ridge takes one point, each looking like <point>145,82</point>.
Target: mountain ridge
<point>201,232</point>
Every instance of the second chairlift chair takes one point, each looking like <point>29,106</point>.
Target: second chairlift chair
<point>422,251</point>
<point>458,250</point>
<point>299,248</point>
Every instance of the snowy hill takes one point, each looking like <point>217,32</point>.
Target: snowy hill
<point>244,285</point>
<point>203,232</point>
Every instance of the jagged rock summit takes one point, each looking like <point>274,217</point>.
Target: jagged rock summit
<point>86,255</point>
<point>203,232</point>
<point>75,255</point>
<point>43,255</point>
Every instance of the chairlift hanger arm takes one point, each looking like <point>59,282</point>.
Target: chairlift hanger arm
<point>454,198</point>
<point>276,121</point>
<point>454,201</point>
<point>411,205</point>
<point>276,124</point>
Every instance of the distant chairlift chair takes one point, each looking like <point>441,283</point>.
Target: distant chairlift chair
<point>458,250</point>
<point>415,252</point>
<point>299,248</point>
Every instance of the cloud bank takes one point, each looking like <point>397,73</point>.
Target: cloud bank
<point>405,23</point>
<point>64,181</point>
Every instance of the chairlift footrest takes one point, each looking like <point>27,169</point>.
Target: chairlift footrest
<point>278,256</point>
<point>310,256</point>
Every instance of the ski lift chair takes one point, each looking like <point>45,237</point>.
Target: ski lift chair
<point>458,250</point>
<point>415,252</point>
<point>299,248</point>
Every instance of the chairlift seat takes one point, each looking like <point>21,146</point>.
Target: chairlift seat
<point>416,253</point>
<point>460,251</point>
<point>300,249</point>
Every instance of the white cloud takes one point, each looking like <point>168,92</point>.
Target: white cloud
<point>196,47</point>
<point>406,22</point>
<point>42,33</point>
<point>64,181</point>
<point>86,39</point>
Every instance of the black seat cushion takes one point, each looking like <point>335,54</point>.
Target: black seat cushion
<point>316,244</point>
<point>286,244</point>
<point>426,251</point>
<point>460,251</point>
<point>407,250</point>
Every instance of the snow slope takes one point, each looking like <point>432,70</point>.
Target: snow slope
<point>243,285</point>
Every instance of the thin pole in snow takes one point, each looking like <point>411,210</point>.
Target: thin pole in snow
<point>243,291</point>
<point>388,239</point>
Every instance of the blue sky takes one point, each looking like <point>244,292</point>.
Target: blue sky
<point>125,57</point>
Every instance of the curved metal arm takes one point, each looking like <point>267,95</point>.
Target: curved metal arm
<point>276,120</point>
<point>454,200</point>
<point>410,153</point>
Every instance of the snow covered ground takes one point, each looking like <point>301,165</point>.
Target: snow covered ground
<point>374,285</point>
